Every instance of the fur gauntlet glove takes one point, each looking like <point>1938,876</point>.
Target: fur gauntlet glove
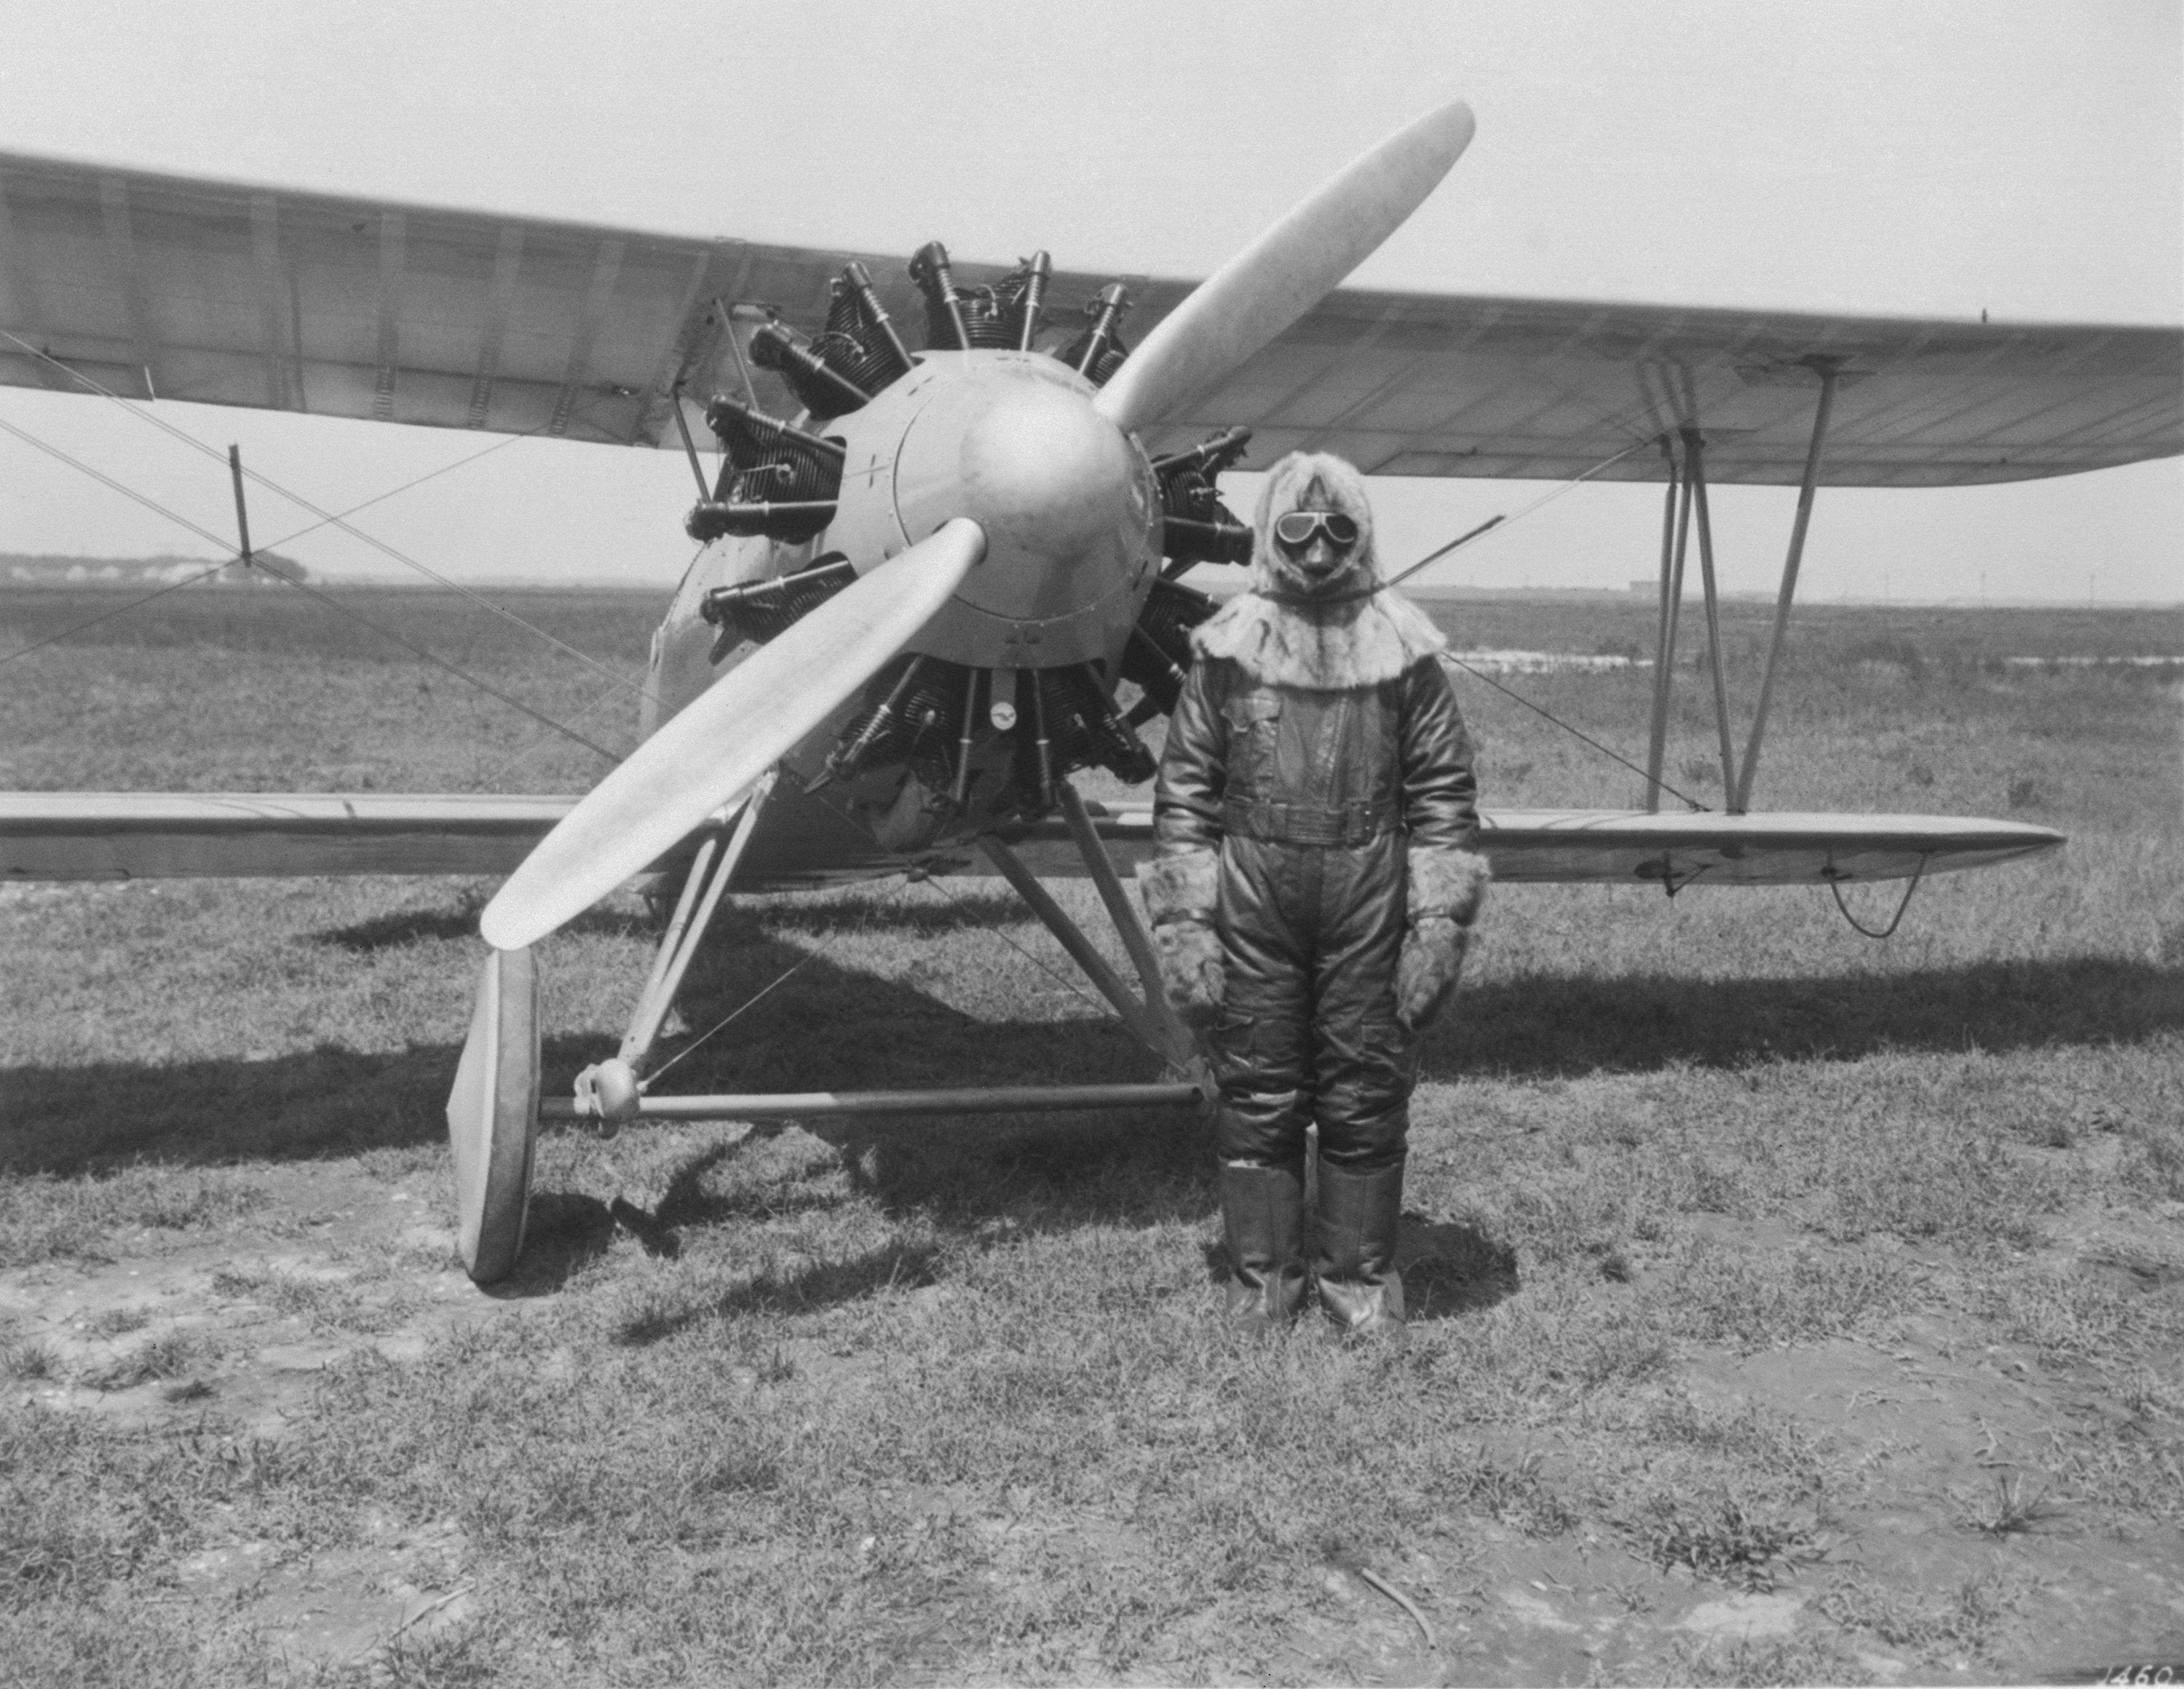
<point>1180,894</point>
<point>1446,888</point>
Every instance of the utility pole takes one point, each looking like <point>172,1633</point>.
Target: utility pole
<point>242,513</point>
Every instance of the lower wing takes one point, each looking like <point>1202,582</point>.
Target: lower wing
<point>159,835</point>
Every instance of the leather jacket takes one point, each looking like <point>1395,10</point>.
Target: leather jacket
<point>1293,767</point>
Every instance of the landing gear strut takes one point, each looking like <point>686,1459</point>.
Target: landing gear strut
<point>495,1113</point>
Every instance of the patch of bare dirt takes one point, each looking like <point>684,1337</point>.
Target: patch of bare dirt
<point>242,1322</point>
<point>1955,1448</point>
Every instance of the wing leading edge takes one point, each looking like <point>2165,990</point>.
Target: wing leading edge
<point>223,292</point>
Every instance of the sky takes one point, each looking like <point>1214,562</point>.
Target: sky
<point>1914,157</point>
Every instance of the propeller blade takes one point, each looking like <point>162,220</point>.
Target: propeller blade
<point>1286,272</point>
<point>709,754</point>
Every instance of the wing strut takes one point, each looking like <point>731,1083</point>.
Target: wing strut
<point>1686,494</point>
<point>1742,797</point>
<point>1695,452</point>
<point>610,1093</point>
<point>1676,538</point>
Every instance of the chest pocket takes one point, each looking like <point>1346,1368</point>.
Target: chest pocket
<point>1255,718</point>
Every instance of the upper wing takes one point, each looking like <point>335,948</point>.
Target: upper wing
<point>1416,384</point>
<point>226,294</point>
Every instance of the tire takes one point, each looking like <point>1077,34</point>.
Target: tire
<point>493,1117</point>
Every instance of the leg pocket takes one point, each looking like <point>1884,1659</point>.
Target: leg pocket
<point>1231,1038</point>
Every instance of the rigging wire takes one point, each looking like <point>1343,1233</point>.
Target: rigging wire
<point>1499,523</point>
<point>913,873</point>
<point>309,591</point>
<point>328,518</point>
<point>109,615</point>
<point>751,1001</point>
<point>285,539</point>
<point>539,742</point>
<point>1651,780</point>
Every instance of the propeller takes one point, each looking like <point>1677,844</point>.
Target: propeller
<point>1286,272</point>
<point>710,752</point>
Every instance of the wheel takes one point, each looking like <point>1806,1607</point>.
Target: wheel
<point>492,1116</point>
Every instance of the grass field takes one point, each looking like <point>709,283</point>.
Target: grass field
<point>1792,1308</point>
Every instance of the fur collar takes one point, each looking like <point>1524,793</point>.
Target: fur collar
<point>1320,647</point>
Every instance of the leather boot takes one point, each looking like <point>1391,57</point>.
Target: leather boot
<point>1359,1214</point>
<point>1263,1223</point>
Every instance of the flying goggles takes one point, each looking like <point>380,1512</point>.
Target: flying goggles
<point>1297,531</point>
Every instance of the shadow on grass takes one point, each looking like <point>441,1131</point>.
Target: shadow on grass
<point>434,926</point>
<point>926,914</point>
<point>1564,1025</point>
<point>1452,1270</point>
<point>823,1284</point>
<point>1448,1269</point>
<point>822,1028</point>
<point>826,1027</point>
<point>563,1233</point>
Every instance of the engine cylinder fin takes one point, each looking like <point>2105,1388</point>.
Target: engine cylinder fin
<point>881,325</point>
<point>750,436</point>
<point>1197,526</point>
<point>1185,540</point>
<point>795,520</point>
<point>1158,656</point>
<point>1036,271</point>
<point>912,712</point>
<point>819,388</point>
<point>776,480</point>
<point>1073,724</point>
<point>946,323</point>
<point>758,610</point>
<point>860,343</point>
<point>1098,352</point>
<point>853,750</point>
<point>1209,457</point>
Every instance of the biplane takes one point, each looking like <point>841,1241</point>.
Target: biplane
<point>940,560</point>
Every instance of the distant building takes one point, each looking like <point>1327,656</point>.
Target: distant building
<point>49,569</point>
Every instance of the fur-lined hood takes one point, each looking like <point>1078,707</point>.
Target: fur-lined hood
<point>1321,636</point>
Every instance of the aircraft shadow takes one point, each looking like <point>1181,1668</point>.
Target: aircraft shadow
<point>1566,1025</point>
<point>1033,1173</point>
<point>333,1101</point>
<point>935,912</point>
<point>822,1028</point>
<point>423,926</point>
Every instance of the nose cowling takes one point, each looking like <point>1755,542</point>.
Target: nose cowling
<point>1065,501</point>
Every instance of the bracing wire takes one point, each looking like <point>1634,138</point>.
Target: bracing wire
<point>1650,779</point>
<point>109,615</point>
<point>910,869</point>
<point>285,539</point>
<point>722,1025</point>
<point>328,518</point>
<point>1500,524</point>
<point>524,753</point>
<point>309,591</point>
